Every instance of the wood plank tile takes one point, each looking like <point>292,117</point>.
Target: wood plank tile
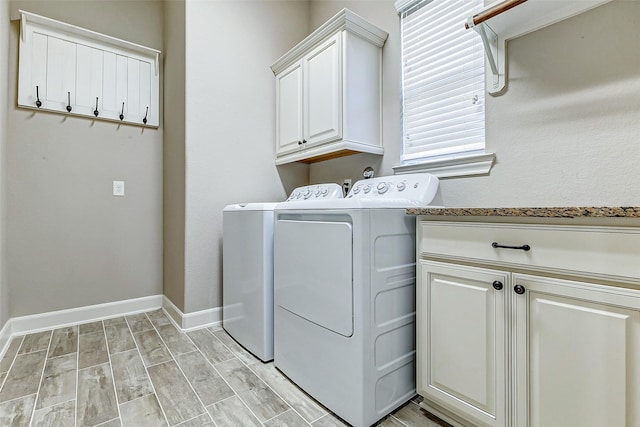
<point>414,416</point>
<point>64,341</point>
<point>151,347</point>
<point>232,412</point>
<point>239,377</point>
<point>330,420</point>
<point>114,321</point>
<point>130,376</point>
<point>207,383</point>
<point>111,423</point>
<point>176,341</point>
<point>92,349</point>
<point>390,421</point>
<point>215,328</point>
<point>59,381</point>
<point>287,419</point>
<point>60,415</point>
<point>24,377</point>
<point>144,411</point>
<point>139,322</point>
<point>298,399</point>
<point>119,338</point>
<point>96,396</point>
<point>17,412</point>
<point>158,318</point>
<point>8,357</point>
<point>203,420</point>
<point>212,348</point>
<point>90,328</point>
<point>236,348</point>
<point>174,393</point>
<point>264,403</point>
<point>35,342</point>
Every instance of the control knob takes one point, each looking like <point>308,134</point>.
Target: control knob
<point>307,194</point>
<point>382,187</point>
<point>401,186</point>
<point>367,188</point>
<point>356,190</point>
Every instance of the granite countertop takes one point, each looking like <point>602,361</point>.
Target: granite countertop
<point>550,212</point>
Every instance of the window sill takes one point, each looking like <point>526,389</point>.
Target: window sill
<point>464,165</point>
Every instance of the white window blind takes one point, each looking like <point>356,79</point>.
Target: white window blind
<point>442,81</point>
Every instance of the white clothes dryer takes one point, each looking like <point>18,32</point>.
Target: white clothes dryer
<point>247,275</point>
<point>344,277</point>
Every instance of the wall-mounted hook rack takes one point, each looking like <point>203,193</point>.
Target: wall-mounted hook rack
<point>57,57</point>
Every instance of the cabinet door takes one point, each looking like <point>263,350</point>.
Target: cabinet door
<point>462,340</point>
<point>289,109</point>
<point>323,92</point>
<point>577,360</point>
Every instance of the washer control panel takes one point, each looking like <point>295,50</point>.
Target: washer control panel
<point>417,186</point>
<point>316,192</point>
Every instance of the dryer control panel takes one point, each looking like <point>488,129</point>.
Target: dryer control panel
<point>418,187</point>
<point>316,192</point>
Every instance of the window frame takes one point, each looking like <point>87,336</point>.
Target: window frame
<point>467,163</point>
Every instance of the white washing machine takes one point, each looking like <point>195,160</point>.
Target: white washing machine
<point>344,313</point>
<point>247,270</point>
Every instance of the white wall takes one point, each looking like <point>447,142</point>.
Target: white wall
<point>4,56</point>
<point>565,133</point>
<point>230,118</point>
<point>70,243</point>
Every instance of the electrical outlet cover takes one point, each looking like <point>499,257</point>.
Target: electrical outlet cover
<point>118,188</point>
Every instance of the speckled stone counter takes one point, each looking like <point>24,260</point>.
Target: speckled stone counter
<point>550,212</point>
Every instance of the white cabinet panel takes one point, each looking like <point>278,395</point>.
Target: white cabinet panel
<point>578,355</point>
<point>87,71</point>
<point>462,345</point>
<point>289,109</point>
<point>323,106</point>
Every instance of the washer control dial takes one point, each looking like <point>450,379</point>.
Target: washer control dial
<point>382,187</point>
<point>401,186</point>
<point>366,188</point>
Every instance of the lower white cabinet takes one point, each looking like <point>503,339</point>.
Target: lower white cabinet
<point>508,343</point>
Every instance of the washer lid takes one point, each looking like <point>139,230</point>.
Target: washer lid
<point>250,207</point>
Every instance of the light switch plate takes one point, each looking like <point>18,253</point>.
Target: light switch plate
<point>118,188</point>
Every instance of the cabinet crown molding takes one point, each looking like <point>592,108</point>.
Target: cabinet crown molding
<point>343,20</point>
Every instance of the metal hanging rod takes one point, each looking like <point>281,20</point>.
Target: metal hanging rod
<point>494,11</point>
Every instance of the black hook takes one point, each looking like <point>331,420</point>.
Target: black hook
<point>145,116</point>
<point>122,113</point>
<point>68,102</point>
<point>96,112</point>
<point>38,103</point>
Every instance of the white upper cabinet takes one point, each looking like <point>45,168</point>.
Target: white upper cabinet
<point>67,69</point>
<point>328,92</point>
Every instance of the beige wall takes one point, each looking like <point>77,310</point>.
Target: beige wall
<point>174,150</point>
<point>4,44</point>
<point>229,131</point>
<point>70,242</point>
<point>565,133</point>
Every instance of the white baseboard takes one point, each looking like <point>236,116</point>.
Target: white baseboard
<point>89,313</point>
<point>5,338</point>
<point>195,320</point>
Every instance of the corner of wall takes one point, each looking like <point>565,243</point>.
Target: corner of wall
<point>4,81</point>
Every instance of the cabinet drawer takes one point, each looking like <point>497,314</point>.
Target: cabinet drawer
<point>597,251</point>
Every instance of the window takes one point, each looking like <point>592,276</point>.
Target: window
<point>443,90</point>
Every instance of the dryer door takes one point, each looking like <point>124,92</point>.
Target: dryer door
<point>313,272</point>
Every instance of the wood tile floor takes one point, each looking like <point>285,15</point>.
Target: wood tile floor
<point>140,370</point>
